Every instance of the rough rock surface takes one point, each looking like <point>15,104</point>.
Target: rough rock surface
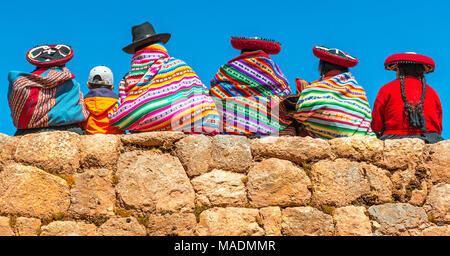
<point>404,153</point>
<point>438,203</point>
<point>295,149</point>
<point>195,154</point>
<point>5,227</point>
<point>229,222</point>
<point>359,148</point>
<point>99,150</point>
<point>169,183</point>
<point>122,227</point>
<point>380,184</point>
<point>275,182</point>
<point>398,218</point>
<point>306,221</point>
<point>152,139</point>
<point>28,191</point>
<point>220,188</point>
<point>28,226</point>
<point>271,220</point>
<point>69,228</point>
<point>178,224</point>
<point>8,146</point>
<point>93,194</point>
<point>352,221</point>
<point>439,162</point>
<point>51,151</point>
<point>437,231</point>
<point>338,183</point>
<point>231,153</point>
<point>154,183</point>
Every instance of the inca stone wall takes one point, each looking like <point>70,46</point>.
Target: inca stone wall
<point>166,183</point>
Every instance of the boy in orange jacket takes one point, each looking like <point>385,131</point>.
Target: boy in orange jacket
<point>100,101</point>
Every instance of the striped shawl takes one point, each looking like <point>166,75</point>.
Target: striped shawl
<point>247,91</point>
<point>335,107</point>
<point>162,93</point>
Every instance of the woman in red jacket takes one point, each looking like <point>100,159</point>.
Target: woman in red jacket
<point>407,107</point>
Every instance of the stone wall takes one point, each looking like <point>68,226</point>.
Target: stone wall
<point>172,184</point>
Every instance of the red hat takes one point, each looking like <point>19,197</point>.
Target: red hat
<point>392,62</point>
<point>50,55</point>
<point>256,43</point>
<point>335,56</point>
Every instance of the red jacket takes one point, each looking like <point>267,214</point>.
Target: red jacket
<point>388,111</point>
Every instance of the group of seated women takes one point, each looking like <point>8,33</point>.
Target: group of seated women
<point>249,95</point>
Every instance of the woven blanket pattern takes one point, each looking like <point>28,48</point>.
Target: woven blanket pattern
<point>336,107</point>
<point>162,93</point>
<point>32,99</point>
<point>247,92</point>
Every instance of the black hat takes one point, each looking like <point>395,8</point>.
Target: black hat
<point>145,34</point>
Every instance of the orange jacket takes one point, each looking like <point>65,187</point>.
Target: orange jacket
<point>100,102</point>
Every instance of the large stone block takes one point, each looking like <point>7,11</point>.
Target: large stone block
<point>338,183</point>
<point>182,224</point>
<point>403,153</point>
<point>56,152</point>
<point>398,219</point>
<point>296,149</point>
<point>271,220</point>
<point>69,228</point>
<point>231,153</point>
<point>195,153</point>
<point>438,203</point>
<point>436,231</point>
<point>122,227</point>
<point>8,146</point>
<point>402,182</point>
<point>28,191</point>
<point>152,139</point>
<point>275,182</point>
<point>5,227</point>
<point>306,221</point>
<point>100,150</point>
<point>380,184</point>
<point>359,148</point>
<point>93,194</point>
<point>28,226</point>
<point>229,222</point>
<point>154,183</point>
<point>352,221</point>
<point>438,163</point>
<point>220,188</point>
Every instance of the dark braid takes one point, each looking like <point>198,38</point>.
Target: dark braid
<point>414,113</point>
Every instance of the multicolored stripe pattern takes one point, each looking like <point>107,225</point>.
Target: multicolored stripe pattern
<point>247,92</point>
<point>51,98</point>
<point>162,93</point>
<point>335,107</point>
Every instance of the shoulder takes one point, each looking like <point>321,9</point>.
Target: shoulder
<point>389,86</point>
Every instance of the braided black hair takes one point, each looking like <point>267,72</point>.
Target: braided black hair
<point>414,113</point>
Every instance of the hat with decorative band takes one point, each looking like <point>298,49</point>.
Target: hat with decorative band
<point>335,56</point>
<point>256,43</point>
<point>143,35</point>
<point>50,55</point>
<point>392,61</point>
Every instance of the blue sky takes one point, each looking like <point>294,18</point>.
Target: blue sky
<point>201,31</point>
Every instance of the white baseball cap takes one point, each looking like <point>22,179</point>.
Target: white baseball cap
<point>101,75</point>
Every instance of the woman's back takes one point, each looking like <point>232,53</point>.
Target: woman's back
<point>389,110</point>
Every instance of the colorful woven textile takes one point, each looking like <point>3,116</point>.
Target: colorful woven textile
<point>162,93</point>
<point>247,91</point>
<point>45,98</point>
<point>335,107</point>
